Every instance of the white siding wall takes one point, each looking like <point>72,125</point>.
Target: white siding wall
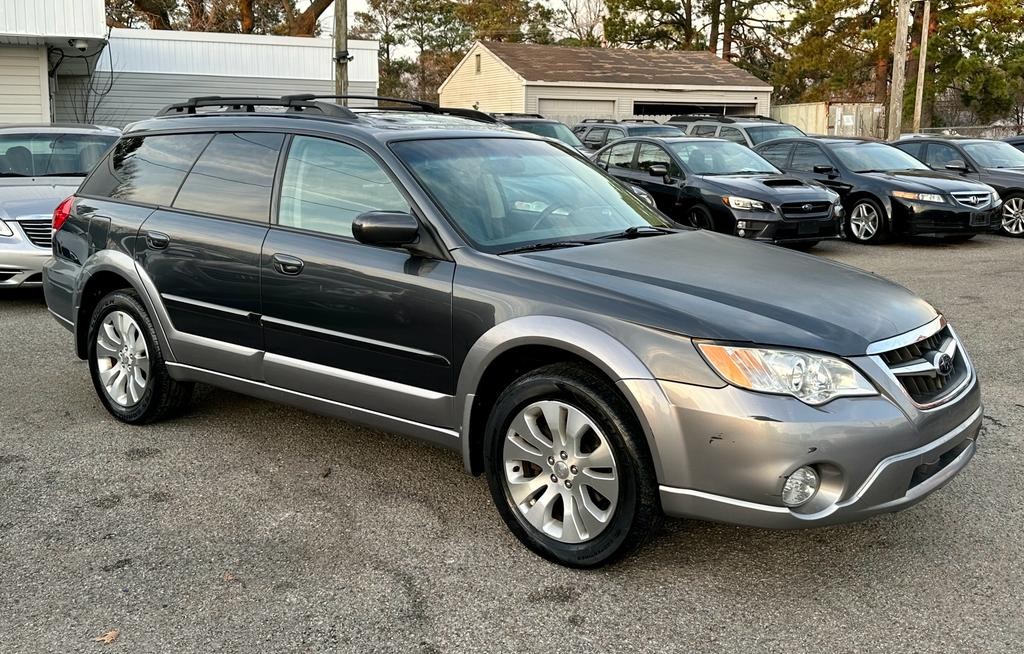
<point>233,55</point>
<point>136,96</point>
<point>624,97</point>
<point>40,18</point>
<point>24,89</point>
<point>495,88</point>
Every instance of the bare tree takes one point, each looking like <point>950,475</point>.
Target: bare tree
<point>583,20</point>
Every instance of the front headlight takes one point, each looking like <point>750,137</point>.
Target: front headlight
<point>5,229</point>
<point>745,204</point>
<point>919,197</point>
<point>811,378</point>
<point>995,197</point>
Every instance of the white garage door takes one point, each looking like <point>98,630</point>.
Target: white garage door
<point>572,111</point>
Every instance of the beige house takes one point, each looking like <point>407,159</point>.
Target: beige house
<point>571,84</point>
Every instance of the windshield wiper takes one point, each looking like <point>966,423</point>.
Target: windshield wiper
<point>636,231</point>
<point>550,245</point>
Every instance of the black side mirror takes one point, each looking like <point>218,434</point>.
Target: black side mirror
<point>386,228</point>
<point>824,169</point>
<point>957,165</point>
<point>658,170</point>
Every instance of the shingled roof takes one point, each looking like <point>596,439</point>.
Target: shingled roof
<point>554,63</point>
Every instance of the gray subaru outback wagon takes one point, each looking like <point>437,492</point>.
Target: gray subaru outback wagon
<point>488,291</point>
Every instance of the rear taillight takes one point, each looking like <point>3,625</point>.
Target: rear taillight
<point>61,213</point>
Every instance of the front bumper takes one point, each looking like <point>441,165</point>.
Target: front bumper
<point>769,227</point>
<point>929,219</point>
<point>724,454</point>
<point>21,262</point>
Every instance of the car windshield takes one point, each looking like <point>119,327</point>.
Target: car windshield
<point>763,133</point>
<point>504,194</point>
<point>995,154</point>
<point>551,130</point>
<point>863,157</point>
<point>707,157</point>
<point>39,154</point>
<point>655,130</point>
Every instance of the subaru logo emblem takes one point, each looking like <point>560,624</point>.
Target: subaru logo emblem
<point>806,207</point>
<point>944,365</point>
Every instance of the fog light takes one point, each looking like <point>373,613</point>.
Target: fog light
<point>800,487</point>
<point>742,233</point>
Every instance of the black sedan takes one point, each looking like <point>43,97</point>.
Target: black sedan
<point>998,164</point>
<point>719,185</point>
<point>886,191</point>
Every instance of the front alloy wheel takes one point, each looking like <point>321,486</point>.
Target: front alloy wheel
<point>568,466</point>
<point>866,222</point>
<point>1013,216</point>
<point>560,471</point>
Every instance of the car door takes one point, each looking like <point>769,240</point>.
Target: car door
<point>620,161</point>
<point>358,324</point>
<point>665,190</point>
<point>202,250</point>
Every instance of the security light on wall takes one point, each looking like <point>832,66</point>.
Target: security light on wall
<point>79,44</point>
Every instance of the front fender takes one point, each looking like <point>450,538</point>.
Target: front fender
<point>589,343</point>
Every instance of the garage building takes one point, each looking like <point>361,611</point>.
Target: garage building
<point>571,84</point>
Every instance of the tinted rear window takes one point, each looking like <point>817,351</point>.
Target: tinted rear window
<point>147,170</point>
<point>233,177</point>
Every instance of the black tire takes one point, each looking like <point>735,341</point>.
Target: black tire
<point>1011,200</point>
<point>637,513</point>
<point>882,233</point>
<point>700,217</point>
<point>163,396</point>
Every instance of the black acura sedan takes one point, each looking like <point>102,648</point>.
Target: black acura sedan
<point>998,164</point>
<point>886,191</point>
<point>720,185</point>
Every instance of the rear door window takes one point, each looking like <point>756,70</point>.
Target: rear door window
<point>732,134</point>
<point>776,153</point>
<point>233,177</point>
<point>615,135</point>
<point>703,130</point>
<point>595,137</point>
<point>147,170</point>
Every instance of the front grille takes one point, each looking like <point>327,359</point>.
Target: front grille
<point>40,232</point>
<point>973,199</point>
<point>805,209</point>
<point>918,366</point>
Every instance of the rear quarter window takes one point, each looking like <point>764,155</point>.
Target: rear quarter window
<point>233,177</point>
<point>147,170</point>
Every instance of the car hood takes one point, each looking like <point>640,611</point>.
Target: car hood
<point>769,188</point>
<point>21,197</point>
<point>1013,177</point>
<point>928,180</point>
<point>707,285</point>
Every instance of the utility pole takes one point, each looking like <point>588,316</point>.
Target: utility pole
<point>899,70</point>
<point>341,56</point>
<point>921,61</point>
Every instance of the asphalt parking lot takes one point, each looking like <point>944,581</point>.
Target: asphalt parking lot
<point>251,527</point>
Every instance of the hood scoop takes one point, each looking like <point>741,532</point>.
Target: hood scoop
<point>777,182</point>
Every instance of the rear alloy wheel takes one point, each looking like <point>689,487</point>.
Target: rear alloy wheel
<point>866,222</point>
<point>568,467</point>
<point>1013,216</point>
<point>127,365</point>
